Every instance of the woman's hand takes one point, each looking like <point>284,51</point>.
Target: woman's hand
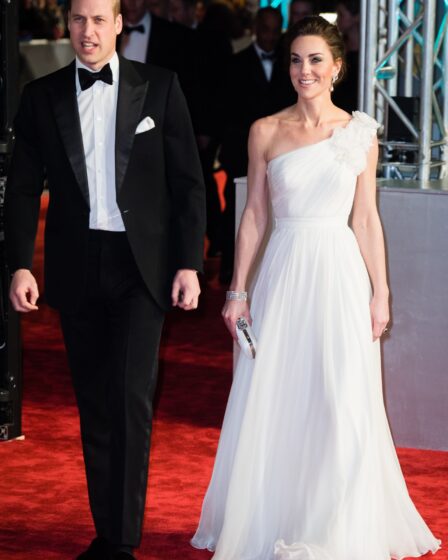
<point>232,311</point>
<point>379,313</point>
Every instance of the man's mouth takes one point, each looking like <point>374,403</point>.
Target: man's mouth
<point>88,45</point>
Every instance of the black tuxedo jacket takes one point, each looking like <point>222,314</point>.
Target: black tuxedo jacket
<point>172,46</point>
<point>159,185</point>
<point>250,96</point>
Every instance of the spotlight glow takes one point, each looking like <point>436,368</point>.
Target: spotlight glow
<point>331,16</point>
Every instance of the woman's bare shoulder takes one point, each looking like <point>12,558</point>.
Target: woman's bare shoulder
<point>341,116</point>
<point>264,129</point>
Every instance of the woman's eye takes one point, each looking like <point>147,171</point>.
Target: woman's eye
<point>295,60</point>
<point>316,59</point>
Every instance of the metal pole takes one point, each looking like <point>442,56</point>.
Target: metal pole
<point>444,132</point>
<point>371,45</point>
<point>409,53</point>
<point>392,36</point>
<point>362,54</point>
<point>382,46</point>
<point>424,163</point>
<point>400,41</point>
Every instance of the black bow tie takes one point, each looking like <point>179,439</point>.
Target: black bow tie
<point>87,79</point>
<point>267,56</point>
<point>127,29</point>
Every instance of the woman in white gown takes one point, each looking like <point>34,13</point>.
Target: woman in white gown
<point>306,468</point>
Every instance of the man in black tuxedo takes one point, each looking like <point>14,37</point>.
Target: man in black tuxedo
<point>258,85</point>
<point>123,242</point>
<point>149,38</point>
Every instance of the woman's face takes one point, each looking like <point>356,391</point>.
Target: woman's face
<point>312,66</point>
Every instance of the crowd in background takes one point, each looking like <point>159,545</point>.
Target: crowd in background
<point>41,19</point>
<point>233,69</point>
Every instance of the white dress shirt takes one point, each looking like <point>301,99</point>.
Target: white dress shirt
<point>268,64</point>
<point>135,45</point>
<point>97,112</point>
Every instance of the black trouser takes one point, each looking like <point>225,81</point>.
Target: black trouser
<point>112,345</point>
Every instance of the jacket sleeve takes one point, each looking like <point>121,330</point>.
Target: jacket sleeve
<point>185,181</point>
<point>23,188</point>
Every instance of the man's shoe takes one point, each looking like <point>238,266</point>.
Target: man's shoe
<point>123,556</point>
<point>99,549</point>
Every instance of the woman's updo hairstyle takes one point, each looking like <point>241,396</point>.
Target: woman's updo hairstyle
<point>320,27</point>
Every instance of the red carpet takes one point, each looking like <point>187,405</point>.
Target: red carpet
<point>43,503</point>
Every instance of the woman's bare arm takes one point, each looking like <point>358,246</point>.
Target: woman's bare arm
<point>369,234</point>
<point>253,222</point>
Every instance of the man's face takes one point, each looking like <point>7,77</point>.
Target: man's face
<point>298,10</point>
<point>181,12</point>
<point>93,31</point>
<point>155,7</point>
<point>133,10</point>
<point>268,32</point>
<point>346,21</point>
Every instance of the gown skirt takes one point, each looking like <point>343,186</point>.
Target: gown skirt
<point>306,468</point>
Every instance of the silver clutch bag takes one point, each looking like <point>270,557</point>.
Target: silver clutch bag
<point>246,338</point>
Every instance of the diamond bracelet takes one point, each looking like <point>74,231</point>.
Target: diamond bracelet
<point>236,296</point>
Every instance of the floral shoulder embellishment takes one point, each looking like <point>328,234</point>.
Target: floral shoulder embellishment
<point>352,142</point>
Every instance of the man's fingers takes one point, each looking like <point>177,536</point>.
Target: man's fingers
<point>186,290</point>
<point>175,294</point>
<point>33,295</point>
<point>188,301</point>
<point>22,305</point>
<point>23,291</point>
<point>24,299</point>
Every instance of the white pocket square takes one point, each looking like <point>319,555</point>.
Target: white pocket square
<point>146,124</point>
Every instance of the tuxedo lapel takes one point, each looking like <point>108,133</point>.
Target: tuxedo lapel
<point>67,118</point>
<point>131,97</point>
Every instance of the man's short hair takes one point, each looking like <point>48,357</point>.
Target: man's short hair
<point>116,7</point>
<point>268,10</point>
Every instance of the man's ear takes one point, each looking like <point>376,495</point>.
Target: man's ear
<point>119,24</point>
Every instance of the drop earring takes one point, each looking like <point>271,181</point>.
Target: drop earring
<point>333,80</point>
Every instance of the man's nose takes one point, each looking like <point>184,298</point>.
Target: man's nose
<point>88,28</point>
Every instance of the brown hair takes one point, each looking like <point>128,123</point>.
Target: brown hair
<point>317,25</point>
<point>116,7</point>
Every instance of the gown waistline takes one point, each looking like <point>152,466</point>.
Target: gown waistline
<point>321,221</point>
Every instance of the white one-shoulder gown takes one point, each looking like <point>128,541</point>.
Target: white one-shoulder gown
<point>306,468</point>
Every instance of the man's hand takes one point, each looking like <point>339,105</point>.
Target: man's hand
<point>186,290</point>
<point>23,292</point>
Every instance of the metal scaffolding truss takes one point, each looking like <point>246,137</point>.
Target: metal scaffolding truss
<point>404,54</point>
